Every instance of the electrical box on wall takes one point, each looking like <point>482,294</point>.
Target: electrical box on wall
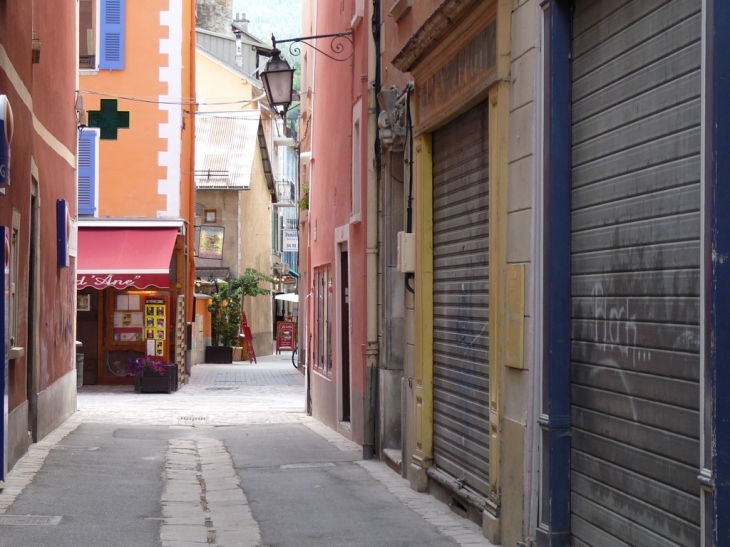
<point>406,252</point>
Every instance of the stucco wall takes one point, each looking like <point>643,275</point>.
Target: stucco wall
<point>218,88</point>
<point>43,149</point>
<point>340,98</point>
<point>255,211</point>
<point>129,173</point>
<point>226,205</point>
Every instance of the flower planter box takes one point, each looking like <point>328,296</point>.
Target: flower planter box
<point>151,382</point>
<point>218,355</point>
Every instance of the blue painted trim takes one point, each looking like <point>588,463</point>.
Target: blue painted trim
<point>4,387</point>
<point>62,233</point>
<point>718,145</point>
<point>87,173</point>
<point>557,273</point>
<point>113,35</point>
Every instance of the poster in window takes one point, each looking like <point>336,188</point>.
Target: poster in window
<point>211,242</point>
<point>83,302</point>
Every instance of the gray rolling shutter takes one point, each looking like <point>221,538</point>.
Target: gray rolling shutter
<point>461,295</point>
<point>635,273</point>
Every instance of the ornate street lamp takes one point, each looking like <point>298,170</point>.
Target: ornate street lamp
<point>278,75</point>
<point>278,78</point>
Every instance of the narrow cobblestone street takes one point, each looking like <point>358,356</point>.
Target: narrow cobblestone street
<point>230,459</point>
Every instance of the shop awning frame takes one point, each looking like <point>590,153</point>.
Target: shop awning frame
<point>124,254</point>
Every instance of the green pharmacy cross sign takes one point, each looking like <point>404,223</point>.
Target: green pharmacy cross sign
<point>109,119</point>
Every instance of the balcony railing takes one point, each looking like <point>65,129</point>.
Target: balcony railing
<point>286,191</point>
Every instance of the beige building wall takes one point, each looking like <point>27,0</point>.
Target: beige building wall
<point>255,212</point>
<point>246,215</point>
<point>225,203</point>
<point>520,407</point>
<point>219,89</point>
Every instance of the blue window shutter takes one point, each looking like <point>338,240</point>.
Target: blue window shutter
<point>87,172</point>
<point>113,19</point>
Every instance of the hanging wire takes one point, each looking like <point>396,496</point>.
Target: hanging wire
<point>178,102</point>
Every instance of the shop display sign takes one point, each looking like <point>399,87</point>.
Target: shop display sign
<point>155,326</point>
<point>211,242</point>
<point>6,135</point>
<point>285,335</point>
<point>122,281</point>
<point>64,233</point>
<point>291,241</point>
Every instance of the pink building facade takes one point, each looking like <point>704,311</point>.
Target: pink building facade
<point>334,293</point>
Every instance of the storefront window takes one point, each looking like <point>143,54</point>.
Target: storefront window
<point>128,321</point>
<point>138,325</point>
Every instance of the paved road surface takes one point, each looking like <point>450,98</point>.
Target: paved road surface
<point>229,460</point>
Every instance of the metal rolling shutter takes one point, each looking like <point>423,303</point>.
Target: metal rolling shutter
<point>461,294</point>
<point>635,273</point>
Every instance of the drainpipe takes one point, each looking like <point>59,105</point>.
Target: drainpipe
<point>371,369</point>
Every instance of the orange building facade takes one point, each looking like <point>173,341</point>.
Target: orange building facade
<point>136,191</point>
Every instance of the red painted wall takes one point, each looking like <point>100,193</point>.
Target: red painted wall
<point>338,86</point>
<point>42,97</point>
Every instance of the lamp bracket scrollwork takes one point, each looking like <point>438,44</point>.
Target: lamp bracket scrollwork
<point>341,45</point>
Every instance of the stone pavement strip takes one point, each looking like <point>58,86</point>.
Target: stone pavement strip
<point>203,502</point>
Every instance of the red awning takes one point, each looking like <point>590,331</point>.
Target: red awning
<point>124,257</point>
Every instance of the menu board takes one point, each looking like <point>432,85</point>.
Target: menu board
<point>286,334</point>
<point>155,326</point>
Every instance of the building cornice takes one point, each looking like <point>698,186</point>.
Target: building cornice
<point>443,20</point>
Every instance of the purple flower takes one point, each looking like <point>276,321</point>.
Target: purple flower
<point>139,365</point>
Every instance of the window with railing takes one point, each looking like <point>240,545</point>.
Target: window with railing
<point>102,34</point>
<point>285,191</point>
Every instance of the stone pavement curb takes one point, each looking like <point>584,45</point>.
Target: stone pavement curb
<point>433,511</point>
<point>429,508</point>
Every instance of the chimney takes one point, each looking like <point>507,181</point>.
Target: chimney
<point>241,21</point>
<point>214,15</point>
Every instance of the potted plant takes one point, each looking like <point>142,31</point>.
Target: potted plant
<point>152,374</point>
<point>226,311</point>
<point>225,317</point>
<point>304,201</point>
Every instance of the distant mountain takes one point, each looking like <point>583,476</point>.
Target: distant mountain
<point>282,18</point>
